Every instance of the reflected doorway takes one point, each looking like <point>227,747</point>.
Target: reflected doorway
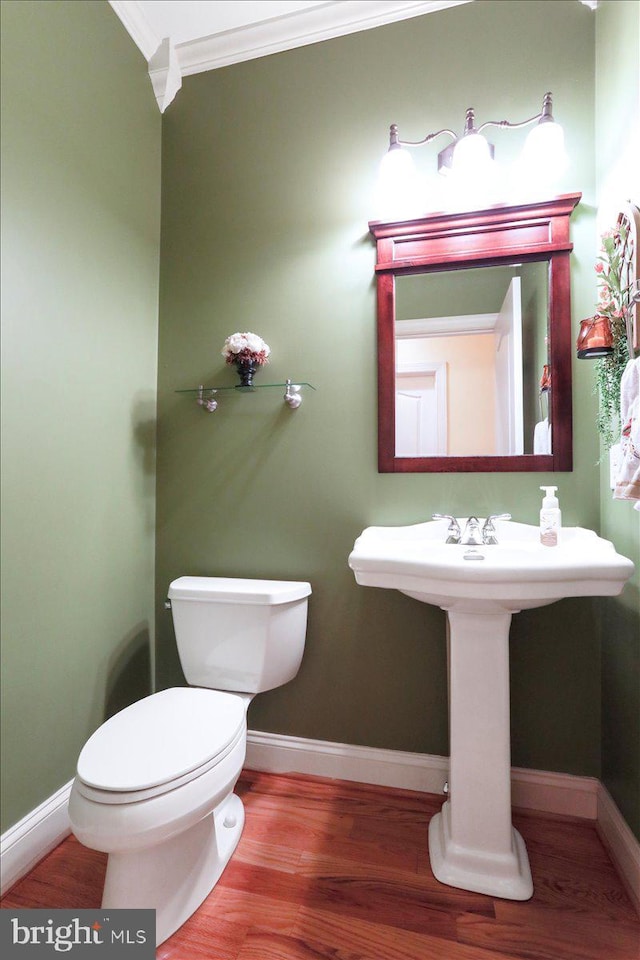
<point>421,409</point>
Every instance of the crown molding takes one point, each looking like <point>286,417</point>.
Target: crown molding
<point>447,326</point>
<point>137,26</point>
<point>168,63</point>
<point>165,75</point>
<point>333,19</point>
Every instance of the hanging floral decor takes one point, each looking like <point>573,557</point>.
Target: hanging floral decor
<point>614,305</point>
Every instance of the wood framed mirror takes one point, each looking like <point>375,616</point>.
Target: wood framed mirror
<point>474,340</point>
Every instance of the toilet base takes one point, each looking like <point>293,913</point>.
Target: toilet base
<point>175,876</point>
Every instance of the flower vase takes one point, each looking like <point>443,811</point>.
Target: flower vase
<point>246,371</point>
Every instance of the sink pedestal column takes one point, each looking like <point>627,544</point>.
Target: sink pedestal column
<point>472,843</point>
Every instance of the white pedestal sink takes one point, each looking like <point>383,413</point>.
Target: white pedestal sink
<point>472,843</point>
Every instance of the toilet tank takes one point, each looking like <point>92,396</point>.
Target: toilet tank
<point>240,635</point>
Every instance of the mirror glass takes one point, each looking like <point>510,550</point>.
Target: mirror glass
<point>471,357</point>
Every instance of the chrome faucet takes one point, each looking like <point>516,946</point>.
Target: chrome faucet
<point>473,534</point>
<point>453,529</point>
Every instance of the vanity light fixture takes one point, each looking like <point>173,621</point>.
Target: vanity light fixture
<point>470,156</point>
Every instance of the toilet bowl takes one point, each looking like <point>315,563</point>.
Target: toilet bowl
<point>154,784</point>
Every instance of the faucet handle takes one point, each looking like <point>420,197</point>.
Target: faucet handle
<point>454,527</point>
<point>489,531</point>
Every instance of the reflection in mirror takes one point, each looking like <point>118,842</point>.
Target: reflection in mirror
<point>471,348</point>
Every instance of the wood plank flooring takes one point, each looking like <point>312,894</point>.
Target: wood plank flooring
<point>330,870</point>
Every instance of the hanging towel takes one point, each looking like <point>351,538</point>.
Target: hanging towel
<point>542,437</point>
<point>628,474</point>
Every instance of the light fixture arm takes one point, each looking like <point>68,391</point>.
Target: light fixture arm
<point>395,141</point>
<point>545,116</point>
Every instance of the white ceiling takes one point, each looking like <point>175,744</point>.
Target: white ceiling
<point>206,34</point>
<point>186,20</point>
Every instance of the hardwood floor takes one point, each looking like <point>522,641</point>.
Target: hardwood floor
<point>329,870</point>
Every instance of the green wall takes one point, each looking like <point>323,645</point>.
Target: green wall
<point>269,170</point>
<point>617,110</point>
<point>80,259</point>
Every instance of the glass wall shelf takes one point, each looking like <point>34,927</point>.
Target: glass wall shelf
<point>206,396</point>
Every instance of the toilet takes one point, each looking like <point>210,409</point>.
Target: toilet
<point>154,784</point>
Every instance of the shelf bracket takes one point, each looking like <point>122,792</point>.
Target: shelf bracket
<point>206,396</point>
<point>209,403</point>
<point>293,397</point>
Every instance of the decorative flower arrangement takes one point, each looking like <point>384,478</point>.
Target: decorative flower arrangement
<point>613,303</point>
<point>245,346</point>
<point>247,351</point>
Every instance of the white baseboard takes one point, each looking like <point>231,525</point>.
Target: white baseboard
<point>24,844</point>
<point>531,789</point>
<point>276,753</point>
<point>45,827</point>
<point>550,792</point>
<point>620,842</point>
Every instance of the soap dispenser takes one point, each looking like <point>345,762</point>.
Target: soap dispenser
<point>550,518</point>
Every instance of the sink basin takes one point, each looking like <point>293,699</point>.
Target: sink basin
<point>472,842</point>
<point>516,573</point>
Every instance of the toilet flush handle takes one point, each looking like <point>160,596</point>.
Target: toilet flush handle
<point>167,604</point>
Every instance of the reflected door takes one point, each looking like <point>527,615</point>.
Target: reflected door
<point>508,366</point>
<point>421,411</point>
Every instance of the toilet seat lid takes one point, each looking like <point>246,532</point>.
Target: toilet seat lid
<point>161,738</point>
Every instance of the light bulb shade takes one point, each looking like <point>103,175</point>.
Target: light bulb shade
<point>471,155</point>
<point>472,182</point>
<point>595,338</point>
<point>544,154</point>
<point>397,191</point>
<point>397,162</point>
